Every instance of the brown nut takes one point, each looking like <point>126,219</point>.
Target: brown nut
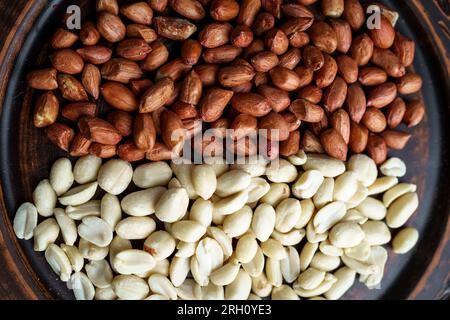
<point>110,27</point>
<point>75,111</point>
<point>215,35</point>
<point>67,61</point>
<point>296,10</point>
<point>174,70</point>
<point>158,5</point>
<point>243,125</point>
<point>251,103</point>
<point>290,146</point>
<point>119,96</point>
<point>224,10</point>
<point>243,88</point>
<point>160,153</point>
<point>273,7</point>
<point>91,79</point>
<point>241,36</point>
<point>389,62</point>
<point>139,86</point>
<point>278,99</point>
<point>63,39</point>
<point>395,113</point>
<point>133,49</point>
<point>95,54</point>
<point>374,120</point>
<point>396,140</point>
<point>156,58</point>
<point>111,6</point>
<point>130,152</point>
<point>264,22</point>
<point>144,131</point>
<point>248,11</point>
<point>44,79</point>
<point>290,59</point>
<point>326,75</point>
<point>265,61</point>
<point>362,49</point>
<point>222,54</point>
<point>191,9</point>
<point>192,88</point>
<point>141,31</point>
<point>46,110</point>
<point>174,28</point>
<point>254,48</point>
<point>343,33</point>
<point>415,112</point>
<point>404,48</point>
<point>219,127</point>
<point>372,76</point>
<point>89,35</point>
<point>184,110</point>
<point>384,36</point>
<point>340,121</point>
<point>172,130</point>
<point>191,51</point>
<point>310,143</point>
<point>354,14</point>
<point>285,79</point>
<point>356,102</point>
<point>323,36</point>
<point>332,8</point>
<point>409,83</point>
<point>122,121</point>
<point>334,96</point>
<point>334,144</point>
<point>60,135</point>
<point>307,111</point>
<point>298,39</point>
<point>80,146</point>
<point>359,136</point>
<point>121,70</point>
<point>311,93</point>
<point>313,58</point>
<point>382,95</point>
<point>213,103</point>
<point>294,25</point>
<point>207,73</point>
<point>235,75</point>
<point>157,95</point>
<point>276,126</point>
<point>71,89</point>
<point>102,150</point>
<point>318,127</point>
<point>292,121</point>
<point>99,130</point>
<point>347,68</point>
<point>139,12</point>
<point>377,149</point>
<point>276,41</point>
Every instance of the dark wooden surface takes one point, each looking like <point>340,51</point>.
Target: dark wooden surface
<point>25,155</point>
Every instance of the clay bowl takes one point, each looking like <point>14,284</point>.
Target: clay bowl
<point>25,154</point>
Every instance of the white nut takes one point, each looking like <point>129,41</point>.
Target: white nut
<point>162,267</point>
<point>359,196</point>
<point>204,180</point>
<point>240,288</point>
<point>44,198</point>
<point>402,209</point>
<point>345,279</point>
<point>160,245</point>
<point>326,284</point>
<point>328,166</point>
<point>174,183</point>
<point>376,233</point>
<point>105,294</point>
<point>263,222</point>
<point>291,238</point>
<point>130,287</point>
<point>86,169</point>
<point>142,203</point>
<point>281,171</point>
<point>135,228</point>
<point>222,238</point>
<point>396,192</point>
<point>231,204</point>
<point>324,194</point>
<point>273,272</point>
<point>273,249</point>
<point>257,189</point>
<point>213,292</point>
<point>261,285</point>
<point>307,184</point>
<point>110,210</point>
<point>287,214</point>
<point>312,236</point>
<point>75,257</point>
<point>345,187</point>
<point>161,285</point>
<point>361,252</point>
<point>89,209</point>
<point>183,174</point>
<point>61,176</point>
<point>253,165</point>
<point>117,245</point>
<point>45,234</point>
<point>199,272</point>
<point>328,216</point>
<point>115,176</point>
<point>133,261</point>
<point>25,221</point>
<point>236,224</point>
<point>152,174</point>
<point>378,257</point>
<point>326,263</point>
<point>393,167</point>
<point>256,266</point>
<point>405,240</point>
<point>232,182</point>
<point>307,254</point>
<point>96,231</point>
<point>307,213</point>
<point>226,274</point>
<point>298,159</point>
<point>58,261</point>
<point>82,287</point>
<point>361,267</point>
<point>310,279</point>
<point>218,164</point>
<point>346,235</point>
<point>202,211</point>
<point>188,231</point>
<point>276,193</point>
<point>328,249</point>
<point>382,185</point>
<point>364,167</point>
<point>79,195</point>
<point>246,248</point>
<point>354,215</point>
<point>189,290</point>
<point>209,254</point>
<point>290,266</point>
<point>90,251</point>
<point>185,249</point>
<point>372,208</point>
<point>67,226</point>
<point>100,273</point>
<point>284,293</point>
<point>179,270</point>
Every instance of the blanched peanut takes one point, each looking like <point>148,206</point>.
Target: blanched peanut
<point>405,240</point>
<point>372,208</point>
<point>376,233</point>
<point>328,216</point>
<point>382,185</point>
<point>402,209</point>
<point>263,222</point>
<point>276,193</point>
<point>396,192</point>
<point>345,279</point>
<point>393,167</point>
<point>152,175</point>
<point>246,248</point>
<point>236,224</point>
<point>307,184</point>
<point>44,198</point>
<point>231,204</point>
<point>142,203</point>
<point>288,213</point>
<point>324,194</point>
<point>204,181</point>
<point>284,293</point>
<point>232,182</point>
<point>329,167</point>
<point>281,172</point>
<point>346,235</point>
<point>172,205</point>
<point>115,176</point>
<point>364,167</point>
